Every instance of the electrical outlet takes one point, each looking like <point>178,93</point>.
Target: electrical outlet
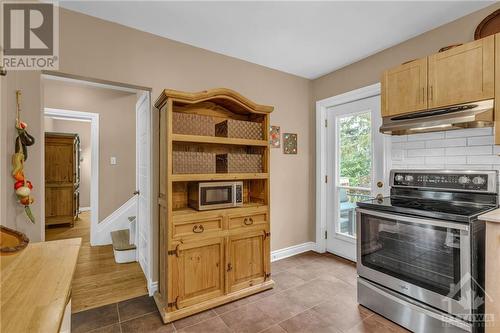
<point>112,160</point>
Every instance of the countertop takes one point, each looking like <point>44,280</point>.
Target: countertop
<point>491,216</point>
<point>36,286</point>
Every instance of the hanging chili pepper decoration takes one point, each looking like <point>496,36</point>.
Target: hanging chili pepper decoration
<point>22,187</point>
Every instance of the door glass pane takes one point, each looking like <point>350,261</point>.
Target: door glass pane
<point>355,168</point>
<point>347,209</point>
<point>355,150</point>
<point>424,255</point>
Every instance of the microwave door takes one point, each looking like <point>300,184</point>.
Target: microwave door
<point>213,197</point>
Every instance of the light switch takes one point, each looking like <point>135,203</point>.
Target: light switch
<point>112,160</point>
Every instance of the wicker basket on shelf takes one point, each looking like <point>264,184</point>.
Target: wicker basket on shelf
<point>193,162</point>
<point>239,163</point>
<point>192,124</point>
<point>239,129</point>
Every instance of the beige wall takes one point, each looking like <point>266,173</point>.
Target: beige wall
<point>369,70</point>
<point>116,111</point>
<point>83,130</point>
<point>104,50</point>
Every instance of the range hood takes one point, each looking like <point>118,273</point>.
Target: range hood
<point>470,115</point>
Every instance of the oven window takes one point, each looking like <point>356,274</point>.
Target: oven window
<point>426,256</point>
<point>216,195</point>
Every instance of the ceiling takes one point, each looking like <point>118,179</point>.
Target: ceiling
<point>308,39</point>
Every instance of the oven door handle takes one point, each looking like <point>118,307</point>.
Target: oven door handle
<point>404,218</point>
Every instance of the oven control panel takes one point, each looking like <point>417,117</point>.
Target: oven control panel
<point>469,181</point>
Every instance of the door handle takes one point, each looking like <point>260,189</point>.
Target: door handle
<point>136,192</point>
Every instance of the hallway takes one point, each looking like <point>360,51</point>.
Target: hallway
<point>98,279</point>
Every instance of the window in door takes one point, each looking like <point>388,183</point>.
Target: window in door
<point>354,164</point>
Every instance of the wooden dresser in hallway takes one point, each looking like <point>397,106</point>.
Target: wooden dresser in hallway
<point>98,279</point>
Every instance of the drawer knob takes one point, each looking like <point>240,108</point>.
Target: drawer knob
<point>248,221</point>
<point>198,229</point>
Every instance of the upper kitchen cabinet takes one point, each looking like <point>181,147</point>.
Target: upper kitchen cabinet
<point>462,74</point>
<point>404,88</point>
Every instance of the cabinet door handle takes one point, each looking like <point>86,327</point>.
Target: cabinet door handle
<point>229,267</point>
<point>198,228</point>
<point>248,221</point>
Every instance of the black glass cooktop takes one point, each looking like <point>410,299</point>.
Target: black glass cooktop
<point>438,209</point>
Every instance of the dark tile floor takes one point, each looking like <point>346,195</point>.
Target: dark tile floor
<point>313,293</point>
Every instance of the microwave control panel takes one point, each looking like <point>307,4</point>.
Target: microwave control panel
<point>239,193</point>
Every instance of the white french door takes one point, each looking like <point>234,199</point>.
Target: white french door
<point>355,168</point>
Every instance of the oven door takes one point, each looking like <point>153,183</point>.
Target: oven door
<point>428,260</point>
<point>216,195</point>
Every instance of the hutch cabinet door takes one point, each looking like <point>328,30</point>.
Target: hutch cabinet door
<point>404,88</point>
<point>197,272</point>
<point>248,259</point>
<point>462,74</point>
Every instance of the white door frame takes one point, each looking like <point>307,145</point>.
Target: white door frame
<point>93,118</point>
<point>321,154</point>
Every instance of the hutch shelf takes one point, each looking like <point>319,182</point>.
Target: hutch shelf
<point>211,257</point>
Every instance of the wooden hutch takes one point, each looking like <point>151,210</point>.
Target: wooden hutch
<point>211,257</point>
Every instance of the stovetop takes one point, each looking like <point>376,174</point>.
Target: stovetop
<point>437,209</point>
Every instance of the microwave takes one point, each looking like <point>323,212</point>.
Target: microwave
<point>215,195</point>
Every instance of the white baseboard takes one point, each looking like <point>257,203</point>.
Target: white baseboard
<point>292,250</point>
<point>122,257</point>
<point>84,209</point>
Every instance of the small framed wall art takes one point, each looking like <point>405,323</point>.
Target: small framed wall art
<point>274,137</point>
<point>290,143</point>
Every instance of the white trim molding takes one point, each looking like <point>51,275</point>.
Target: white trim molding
<point>94,164</point>
<point>152,287</point>
<point>292,251</point>
<point>321,167</point>
<point>84,209</point>
<point>117,220</point>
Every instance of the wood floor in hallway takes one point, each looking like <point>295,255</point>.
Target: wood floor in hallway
<point>98,279</point>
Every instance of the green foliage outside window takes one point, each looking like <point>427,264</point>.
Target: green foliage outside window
<point>355,149</point>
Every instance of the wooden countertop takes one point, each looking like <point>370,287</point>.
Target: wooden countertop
<point>36,286</point>
<point>491,216</point>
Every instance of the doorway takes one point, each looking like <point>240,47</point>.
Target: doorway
<point>352,165</point>
<point>120,117</point>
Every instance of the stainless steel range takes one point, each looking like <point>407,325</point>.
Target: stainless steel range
<point>420,252</point>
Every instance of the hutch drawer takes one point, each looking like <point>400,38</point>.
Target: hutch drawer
<point>247,220</point>
<point>197,227</point>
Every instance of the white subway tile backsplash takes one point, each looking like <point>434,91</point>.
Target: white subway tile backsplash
<point>397,154</point>
<point>458,142</point>
<point>399,138</point>
<point>474,150</point>
<point>414,144</point>
<point>466,149</point>
<point>426,136</point>
<point>425,152</point>
<point>487,159</point>
<point>480,140</point>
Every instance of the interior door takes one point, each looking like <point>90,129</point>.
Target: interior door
<point>404,88</point>
<point>355,168</point>
<point>143,180</point>
<point>462,74</point>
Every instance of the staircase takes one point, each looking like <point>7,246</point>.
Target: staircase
<point>123,243</point>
